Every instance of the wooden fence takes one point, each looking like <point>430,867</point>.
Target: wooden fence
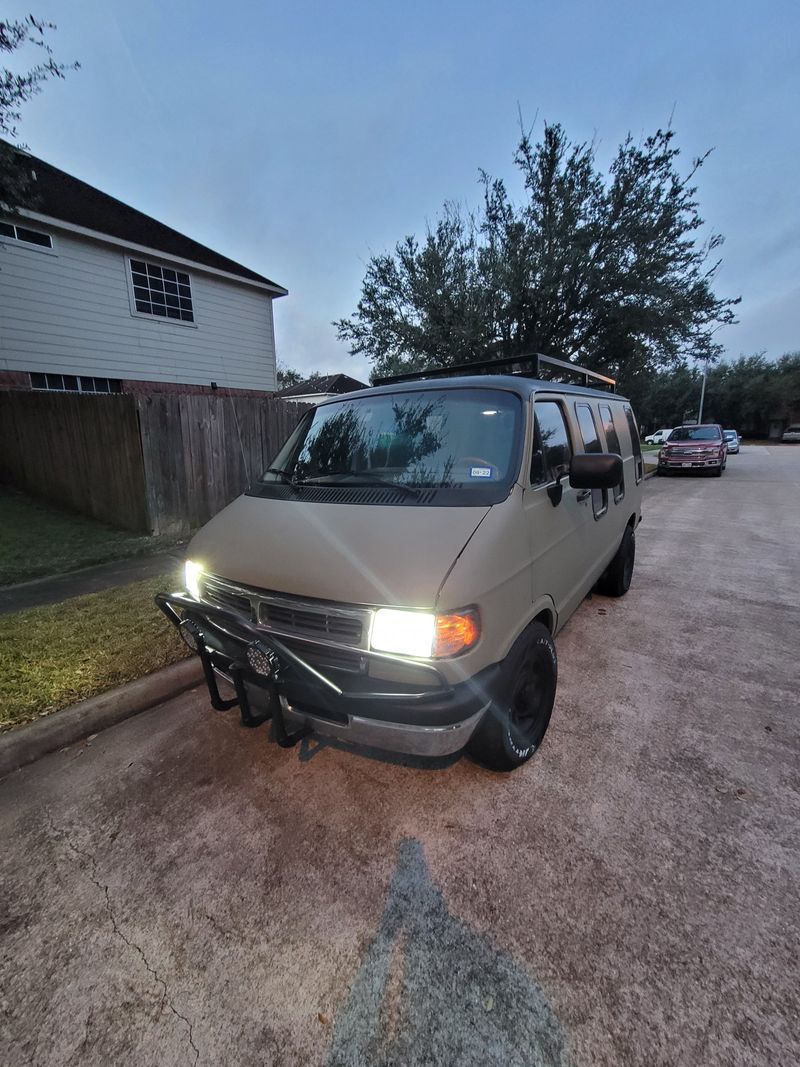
<point>82,452</point>
<point>201,451</point>
<point>163,463</point>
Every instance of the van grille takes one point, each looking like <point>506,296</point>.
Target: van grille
<point>342,628</point>
<point>218,591</point>
<point>287,615</point>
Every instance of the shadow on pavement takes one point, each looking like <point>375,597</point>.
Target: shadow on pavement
<point>431,991</point>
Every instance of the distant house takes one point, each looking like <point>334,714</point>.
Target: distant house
<point>98,297</point>
<point>315,390</point>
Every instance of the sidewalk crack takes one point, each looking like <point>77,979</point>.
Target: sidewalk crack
<point>104,889</point>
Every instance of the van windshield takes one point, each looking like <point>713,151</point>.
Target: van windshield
<point>462,439</point>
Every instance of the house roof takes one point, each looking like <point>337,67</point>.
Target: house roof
<point>333,383</point>
<point>67,199</point>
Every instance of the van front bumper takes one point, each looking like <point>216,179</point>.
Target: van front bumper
<point>435,719</point>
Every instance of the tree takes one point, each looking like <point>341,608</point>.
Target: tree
<point>16,185</point>
<point>607,270</point>
<point>745,394</point>
<point>288,376</point>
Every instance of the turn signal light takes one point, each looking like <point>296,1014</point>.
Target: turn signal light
<point>456,632</point>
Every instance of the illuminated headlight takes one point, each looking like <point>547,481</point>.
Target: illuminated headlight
<point>417,633</point>
<point>192,572</point>
<point>407,633</point>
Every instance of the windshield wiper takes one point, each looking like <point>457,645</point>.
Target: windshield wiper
<point>355,478</point>
<point>295,483</point>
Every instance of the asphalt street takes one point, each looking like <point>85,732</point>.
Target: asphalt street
<point>179,890</point>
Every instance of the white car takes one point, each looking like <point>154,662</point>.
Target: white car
<point>792,434</point>
<point>657,438</point>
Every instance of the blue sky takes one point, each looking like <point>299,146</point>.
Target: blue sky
<point>300,138</point>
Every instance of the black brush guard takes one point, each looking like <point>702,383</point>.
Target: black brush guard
<point>228,627</point>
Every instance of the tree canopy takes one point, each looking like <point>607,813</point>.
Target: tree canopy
<point>745,394</point>
<point>16,89</point>
<point>607,270</point>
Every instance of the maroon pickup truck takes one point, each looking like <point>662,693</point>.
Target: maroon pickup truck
<point>694,448</point>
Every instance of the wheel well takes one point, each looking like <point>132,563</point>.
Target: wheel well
<point>546,619</point>
<point>632,521</point>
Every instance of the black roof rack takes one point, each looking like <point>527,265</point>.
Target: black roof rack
<point>488,366</point>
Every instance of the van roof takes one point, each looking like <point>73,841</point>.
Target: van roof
<point>514,383</point>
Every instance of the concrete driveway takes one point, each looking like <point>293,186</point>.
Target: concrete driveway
<point>179,890</point>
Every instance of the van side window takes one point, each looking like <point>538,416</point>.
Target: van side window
<point>636,444</point>
<point>552,450</point>
<point>591,443</point>
<point>591,440</point>
<point>612,444</point>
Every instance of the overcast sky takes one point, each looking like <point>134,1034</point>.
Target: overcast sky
<point>300,138</point>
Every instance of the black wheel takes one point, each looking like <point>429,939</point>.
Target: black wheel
<point>616,580</point>
<point>517,719</point>
<point>717,472</point>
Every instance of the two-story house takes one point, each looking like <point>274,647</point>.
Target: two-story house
<point>98,297</point>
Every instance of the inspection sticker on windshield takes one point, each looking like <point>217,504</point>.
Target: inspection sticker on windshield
<point>480,472</point>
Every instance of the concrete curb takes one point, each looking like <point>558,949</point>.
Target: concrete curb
<point>29,743</point>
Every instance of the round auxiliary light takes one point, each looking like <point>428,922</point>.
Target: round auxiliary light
<point>263,660</point>
<point>192,634</point>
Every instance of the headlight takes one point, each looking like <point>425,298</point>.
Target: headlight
<point>192,572</point>
<point>418,633</point>
<point>407,633</point>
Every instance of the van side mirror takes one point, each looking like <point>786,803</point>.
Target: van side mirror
<point>595,470</point>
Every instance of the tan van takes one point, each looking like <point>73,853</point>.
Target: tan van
<point>397,576</point>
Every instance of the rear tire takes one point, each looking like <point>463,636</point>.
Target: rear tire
<point>616,580</point>
<point>517,718</point>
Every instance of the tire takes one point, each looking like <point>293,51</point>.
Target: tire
<point>717,472</point>
<point>517,718</point>
<point>616,580</point>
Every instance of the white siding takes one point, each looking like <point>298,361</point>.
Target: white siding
<point>69,311</point>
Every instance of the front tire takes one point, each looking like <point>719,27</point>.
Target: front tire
<point>616,580</point>
<point>517,718</point>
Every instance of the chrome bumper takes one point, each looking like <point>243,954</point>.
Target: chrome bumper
<point>391,736</point>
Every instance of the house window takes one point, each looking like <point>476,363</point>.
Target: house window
<point>73,383</point>
<point>161,291</point>
<point>22,233</point>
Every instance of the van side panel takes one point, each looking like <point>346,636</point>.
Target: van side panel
<point>493,573</point>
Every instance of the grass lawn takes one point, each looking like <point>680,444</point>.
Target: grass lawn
<point>53,656</point>
<point>37,539</point>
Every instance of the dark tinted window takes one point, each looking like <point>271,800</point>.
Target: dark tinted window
<point>636,445</point>
<point>552,450</point>
<point>612,444</point>
<point>6,229</point>
<point>612,437</point>
<point>591,440</point>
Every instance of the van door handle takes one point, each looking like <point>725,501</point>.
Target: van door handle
<point>583,494</point>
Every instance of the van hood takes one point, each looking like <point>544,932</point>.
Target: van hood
<point>344,552</point>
